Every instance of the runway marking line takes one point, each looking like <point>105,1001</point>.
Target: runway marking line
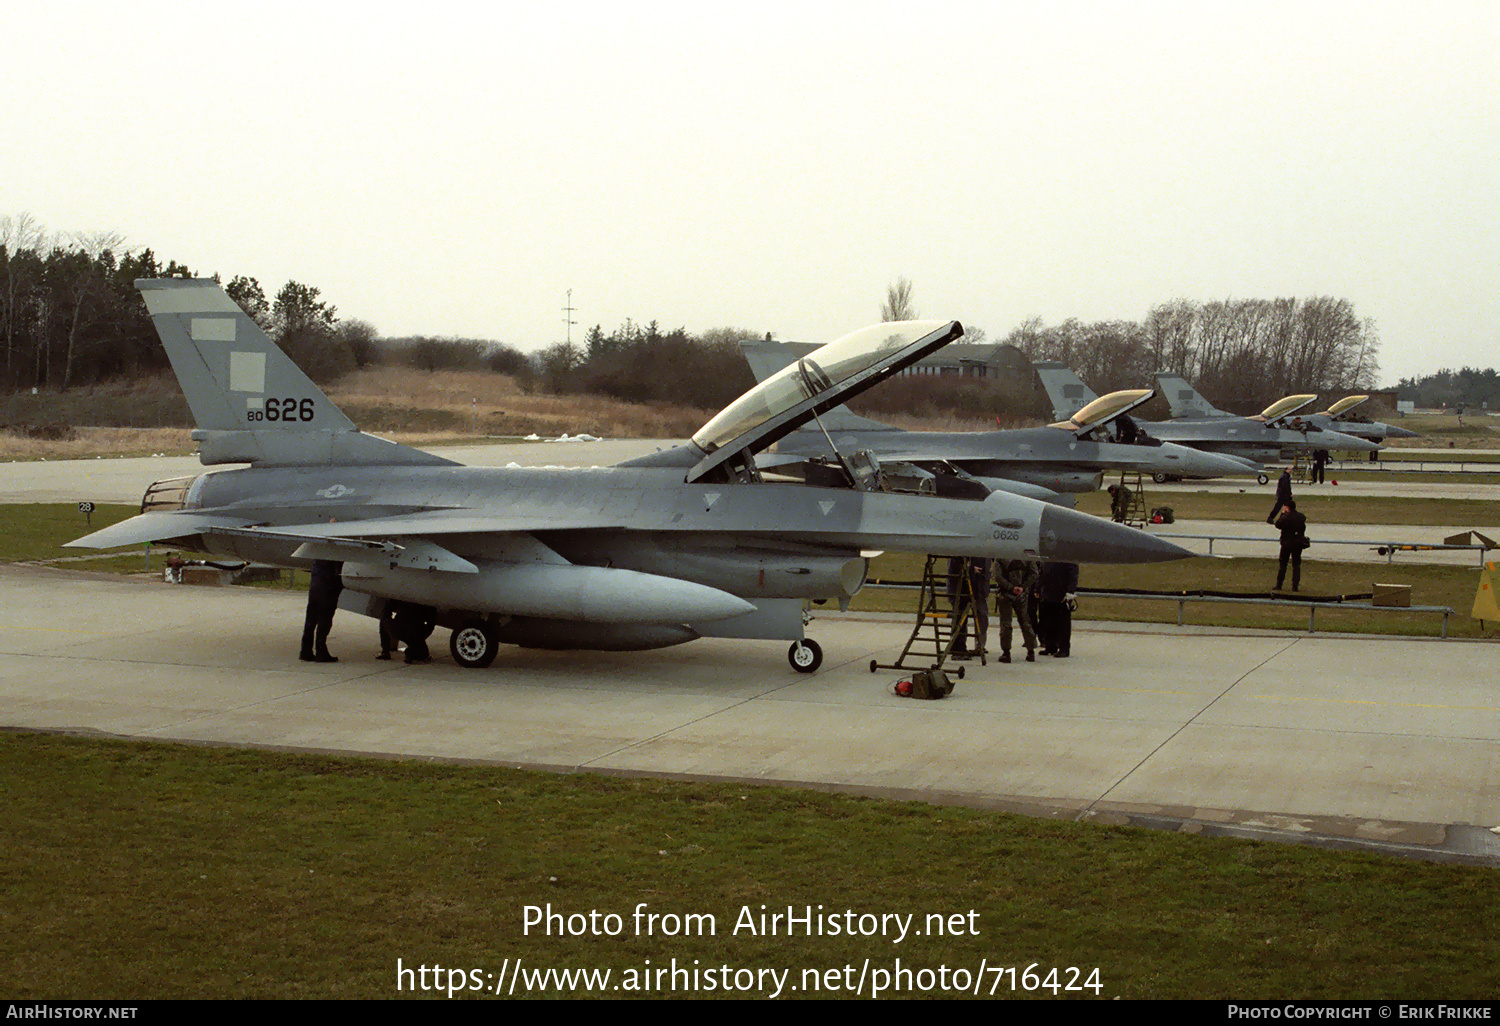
<point>1089,687</point>
<point>1362,701</point>
<point>63,630</point>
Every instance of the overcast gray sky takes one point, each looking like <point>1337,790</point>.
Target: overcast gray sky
<point>454,169</point>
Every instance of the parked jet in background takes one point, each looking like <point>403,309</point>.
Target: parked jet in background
<point>686,543</point>
<point>1258,440</point>
<point>1070,456</point>
<point>1340,417</point>
<point>1187,404</point>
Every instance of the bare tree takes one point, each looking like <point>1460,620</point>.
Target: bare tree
<point>898,302</point>
<point>17,235</point>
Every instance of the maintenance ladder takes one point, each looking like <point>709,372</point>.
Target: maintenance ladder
<point>942,618</point>
<point>1135,510</point>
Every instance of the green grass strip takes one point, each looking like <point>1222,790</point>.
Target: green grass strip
<point>135,870</point>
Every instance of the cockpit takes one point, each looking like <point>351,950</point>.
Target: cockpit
<point>817,373</point>
<point>1284,408</point>
<point>812,385</point>
<point>1106,417</point>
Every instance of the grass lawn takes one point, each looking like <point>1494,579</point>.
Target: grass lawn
<point>136,870</point>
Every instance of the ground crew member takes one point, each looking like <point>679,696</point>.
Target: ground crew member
<point>322,602</point>
<point>1320,460</point>
<point>969,592</point>
<point>1293,527</point>
<point>1014,579</point>
<point>1057,597</point>
<point>1119,502</point>
<point>1283,494</point>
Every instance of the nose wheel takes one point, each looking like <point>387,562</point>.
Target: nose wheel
<point>805,656</point>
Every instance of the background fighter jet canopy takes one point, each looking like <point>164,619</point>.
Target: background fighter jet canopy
<point>818,372</point>
<point>1106,407</point>
<point>1345,404</point>
<point>1283,407</point>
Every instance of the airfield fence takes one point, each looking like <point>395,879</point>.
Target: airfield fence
<point>1385,547</point>
<point>1279,602</point>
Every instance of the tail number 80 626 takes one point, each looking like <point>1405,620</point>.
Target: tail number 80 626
<point>284,410</point>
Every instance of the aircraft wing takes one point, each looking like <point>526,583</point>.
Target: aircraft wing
<point>457,521</point>
<point>154,527</point>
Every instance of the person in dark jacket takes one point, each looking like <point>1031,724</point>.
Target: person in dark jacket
<point>411,625</point>
<point>322,602</point>
<point>1283,495</point>
<point>1319,463</point>
<point>1057,587</point>
<point>1293,527</point>
<point>1014,579</point>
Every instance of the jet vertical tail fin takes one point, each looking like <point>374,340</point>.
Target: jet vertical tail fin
<point>250,401</point>
<point>1067,393</point>
<point>1184,399</point>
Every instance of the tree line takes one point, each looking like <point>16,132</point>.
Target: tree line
<point>1239,353</point>
<point>1469,387</point>
<point>70,315</point>
<point>643,364</point>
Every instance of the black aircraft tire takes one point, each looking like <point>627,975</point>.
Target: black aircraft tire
<point>805,656</point>
<point>873,665</point>
<point>1160,477</point>
<point>1262,479</point>
<point>473,645</point>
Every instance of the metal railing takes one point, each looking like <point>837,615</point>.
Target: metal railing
<point>1385,547</point>
<point>1313,605</point>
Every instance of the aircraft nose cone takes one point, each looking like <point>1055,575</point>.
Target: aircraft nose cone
<point>1195,463</point>
<point>1392,431</point>
<point>1336,440</point>
<point>1079,538</point>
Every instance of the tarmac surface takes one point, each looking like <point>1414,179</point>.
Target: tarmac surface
<point>1391,744</point>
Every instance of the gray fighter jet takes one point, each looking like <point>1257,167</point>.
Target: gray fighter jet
<point>1254,440</point>
<point>682,544</point>
<point>1070,456</point>
<point>1341,417</point>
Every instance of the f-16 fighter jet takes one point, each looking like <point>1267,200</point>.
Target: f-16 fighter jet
<point>1341,417</point>
<point>1070,456</point>
<point>1256,440</point>
<point>686,543</point>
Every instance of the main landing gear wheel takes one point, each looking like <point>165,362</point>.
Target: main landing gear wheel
<point>1160,477</point>
<point>473,645</point>
<point>1261,479</point>
<point>805,656</point>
